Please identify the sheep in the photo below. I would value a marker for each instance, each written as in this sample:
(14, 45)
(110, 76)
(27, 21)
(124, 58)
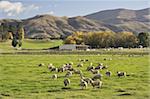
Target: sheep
(96, 83)
(95, 71)
(61, 69)
(68, 74)
(41, 64)
(90, 68)
(66, 82)
(54, 76)
(78, 72)
(119, 74)
(85, 79)
(50, 66)
(98, 67)
(70, 63)
(104, 67)
(54, 69)
(83, 84)
(108, 73)
(80, 65)
(97, 76)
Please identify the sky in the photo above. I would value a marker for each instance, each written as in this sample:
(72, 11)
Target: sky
(21, 9)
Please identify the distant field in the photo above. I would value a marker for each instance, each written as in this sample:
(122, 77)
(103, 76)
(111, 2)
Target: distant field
(20, 77)
(30, 44)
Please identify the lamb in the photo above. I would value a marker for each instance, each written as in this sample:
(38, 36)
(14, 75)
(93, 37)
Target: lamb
(85, 79)
(77, 71)
(104, 67)
(41, 64)
(68, 74)
(97, 76)
(66, 82)
(50, 66)
(100, 66)
(95, 71)
(61, 69)
(83, 84)
(108, 73)
(90, 68)
(80, 65)
(119, 74)
(54, 69)
(54, 76)
(96, 83)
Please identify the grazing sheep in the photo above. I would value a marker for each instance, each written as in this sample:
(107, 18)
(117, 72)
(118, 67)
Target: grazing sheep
(76, 71)
(89, 68)
(54, 76)
(54, 69)
(95, 71)
(71, 69)
(98, 67)
(83, 84)
(70, 63)
(108, 73)
(50, 66)
(80, 65)
(96, 83)
(61, 69)
(85, 79)
(66, 82)
(97, 76)
(68, 74)
(41, 64)
(119, 74)
(104, 67)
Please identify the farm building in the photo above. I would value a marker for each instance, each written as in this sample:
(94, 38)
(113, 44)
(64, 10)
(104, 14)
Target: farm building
(73, 47)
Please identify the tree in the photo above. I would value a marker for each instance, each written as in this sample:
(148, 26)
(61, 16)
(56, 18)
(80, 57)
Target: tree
(14, 42)
(20, 34)
(144, 39)
(126, 39)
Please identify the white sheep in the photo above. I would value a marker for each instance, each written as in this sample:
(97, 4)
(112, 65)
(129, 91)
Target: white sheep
(97, 76)
(119, 73)
(95, 71)
(50, 66)
(90, 68)
(54, 69)
(54, 76)
(83, 84)
(108, 73)
(41, 64)
(61, 69)
(85, 79)
(68, 74)
(66, 82)
(96, 83)
(80, 65)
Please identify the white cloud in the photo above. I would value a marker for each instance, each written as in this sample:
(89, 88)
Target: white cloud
(15, 8)
(50, 12)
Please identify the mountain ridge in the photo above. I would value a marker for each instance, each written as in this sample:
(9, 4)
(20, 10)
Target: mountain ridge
(115, 20)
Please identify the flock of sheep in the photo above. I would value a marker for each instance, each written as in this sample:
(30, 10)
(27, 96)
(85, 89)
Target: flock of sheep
(95, 81)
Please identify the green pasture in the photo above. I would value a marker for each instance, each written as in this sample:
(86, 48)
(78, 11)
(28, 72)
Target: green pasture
(21, 78)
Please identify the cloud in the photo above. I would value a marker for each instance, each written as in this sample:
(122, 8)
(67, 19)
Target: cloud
(50, 12)
(15, 8)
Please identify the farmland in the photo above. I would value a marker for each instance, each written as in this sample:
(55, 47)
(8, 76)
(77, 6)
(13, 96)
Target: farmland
(21, 77)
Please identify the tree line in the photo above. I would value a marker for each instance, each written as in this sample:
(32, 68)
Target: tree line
(13, 32)
(109, 39)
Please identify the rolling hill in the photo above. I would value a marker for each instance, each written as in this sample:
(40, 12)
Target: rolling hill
(116, 20)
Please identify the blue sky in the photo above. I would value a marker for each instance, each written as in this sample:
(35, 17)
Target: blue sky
(20, 9)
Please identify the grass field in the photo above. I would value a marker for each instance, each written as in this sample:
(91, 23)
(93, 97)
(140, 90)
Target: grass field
(20, 77)
(30, 44)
